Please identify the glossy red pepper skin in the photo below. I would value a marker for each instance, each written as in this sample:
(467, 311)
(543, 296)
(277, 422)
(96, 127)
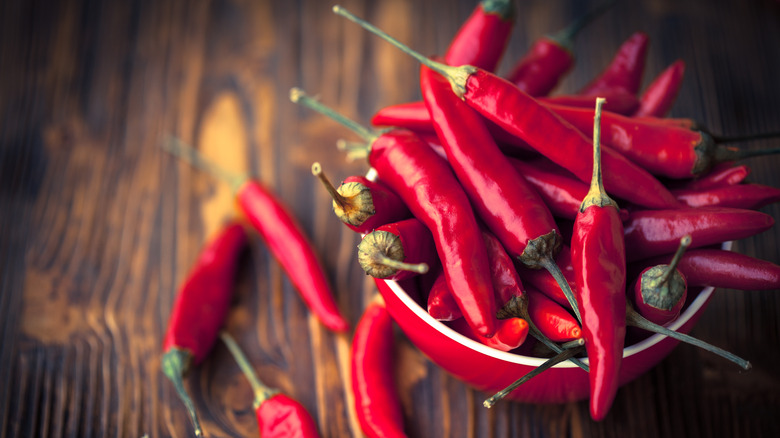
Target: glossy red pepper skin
(551, 318)
(281, 416)
(598, 256)
(203, 300)
(522, 116)
(545, 283)
(724, 174)
(618, 101)
(749, 196)
(290, 246)
(650, 233)
(388, 207)
(377, 404)
(506, 281)
(561, 193)
(625, 70)
(723, 269)
(415, 241)
(512, 333)
(659, 96)
(441, 304)
(512, 210)
(482, 38)
(427, 185)
(540, 70)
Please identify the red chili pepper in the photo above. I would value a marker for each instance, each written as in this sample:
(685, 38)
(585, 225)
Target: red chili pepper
(376, 398)
(625, 70)
(483, 36)
(724, 269)
(598, 255)
(750, 196)
(618, 101)
(200, 309)
(278, 415)
(724, 174)
(441, 304)
(650, 233)
(283, 235)
(659, 96)
(511, 333)
(362, 204)
(397, 250)
(545, 283)
(553, 320)
(425, 182)
(660, 290)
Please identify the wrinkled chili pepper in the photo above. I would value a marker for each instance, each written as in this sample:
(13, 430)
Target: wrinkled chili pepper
(377, 404)
(624, 70)
(724, 174)
(362, 204)
(278, 415)
(425, 182)
(280, 230)
(510, 334)
(200, 309)
(749, 196)
(598, 256)
(659, 96)
(660, 290)
(482, 38)
(555, 322)
(521, 115)
(650, 233)
(723, 269)
(397, 250)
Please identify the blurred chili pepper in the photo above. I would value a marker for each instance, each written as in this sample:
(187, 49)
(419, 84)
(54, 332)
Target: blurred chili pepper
(618, 101)
(660, 290)
(482, 38)
(625, 70)
(724, 174)
(749, 196)
(598, 255)
(650, 233)
(397, 250)
(200, 309)
(659, 96)
(425, 182)
(376, 398)
(362, 204)
(723, 269)
(281, 232)
(555, 322)
(278, 415)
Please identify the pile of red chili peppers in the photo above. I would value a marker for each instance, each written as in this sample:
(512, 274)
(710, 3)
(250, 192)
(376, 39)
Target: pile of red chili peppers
(486, 181)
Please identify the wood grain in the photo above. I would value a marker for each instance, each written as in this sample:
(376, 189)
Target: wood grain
(98, 226)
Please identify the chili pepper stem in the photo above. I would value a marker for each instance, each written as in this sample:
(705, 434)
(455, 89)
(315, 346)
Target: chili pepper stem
(354, 150)
(685, 242)
(596, 194)
(565, 37)
(316, 170)
(174, 365)
(178, 148)
(560, 357)
(300, 97)
(723, 154)
(261, 391)
(744, 137)
(420, 268)
(456, 75)
(549, 264)
(633, 318)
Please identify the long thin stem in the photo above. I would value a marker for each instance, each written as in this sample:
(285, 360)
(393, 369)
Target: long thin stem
(300, 97)
(316, 170)
(685, 242)
(744, 137)
(261, 391)
(174, 364)
(549, 264)
(178, 148)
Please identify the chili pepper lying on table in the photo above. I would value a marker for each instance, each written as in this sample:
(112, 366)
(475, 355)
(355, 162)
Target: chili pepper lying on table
(200, 309)
(281, 232)
(522, 116)
(660, 290)
(377, 404)
(659, 96)
(362, 204)
(427, 185)
(397, 250)
(278, 415)
(624, 70)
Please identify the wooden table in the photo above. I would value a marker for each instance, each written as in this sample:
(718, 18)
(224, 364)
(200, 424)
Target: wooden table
(98, 227)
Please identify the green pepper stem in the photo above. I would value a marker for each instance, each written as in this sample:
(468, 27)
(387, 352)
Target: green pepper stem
(261, 391)
(744, 137)
(723, 153)
(174, 365)
(316, 170)
(685, 242)
(456, 75)
(565, 37)
(560, 357)
(633, 318)
(354, 150)
(549, 264)
(178, 148)
(300, 97)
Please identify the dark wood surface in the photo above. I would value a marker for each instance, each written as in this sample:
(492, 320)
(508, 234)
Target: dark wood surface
(98, 226)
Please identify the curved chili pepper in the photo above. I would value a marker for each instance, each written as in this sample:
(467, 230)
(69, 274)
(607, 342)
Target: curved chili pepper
(362, 204)
(660, 290)
(441, 304)
(425, 182)
(278, 415)
(650, 233)
(200, 309)
(724, 174)
(749, 196)
(598, 256)
(511, 333)
(551, 318)
(397, 250)
(482, 38)
(659, 96)
(283, 235)
(561, 193)
(625, 70)
(724, 269)
(376, 399)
